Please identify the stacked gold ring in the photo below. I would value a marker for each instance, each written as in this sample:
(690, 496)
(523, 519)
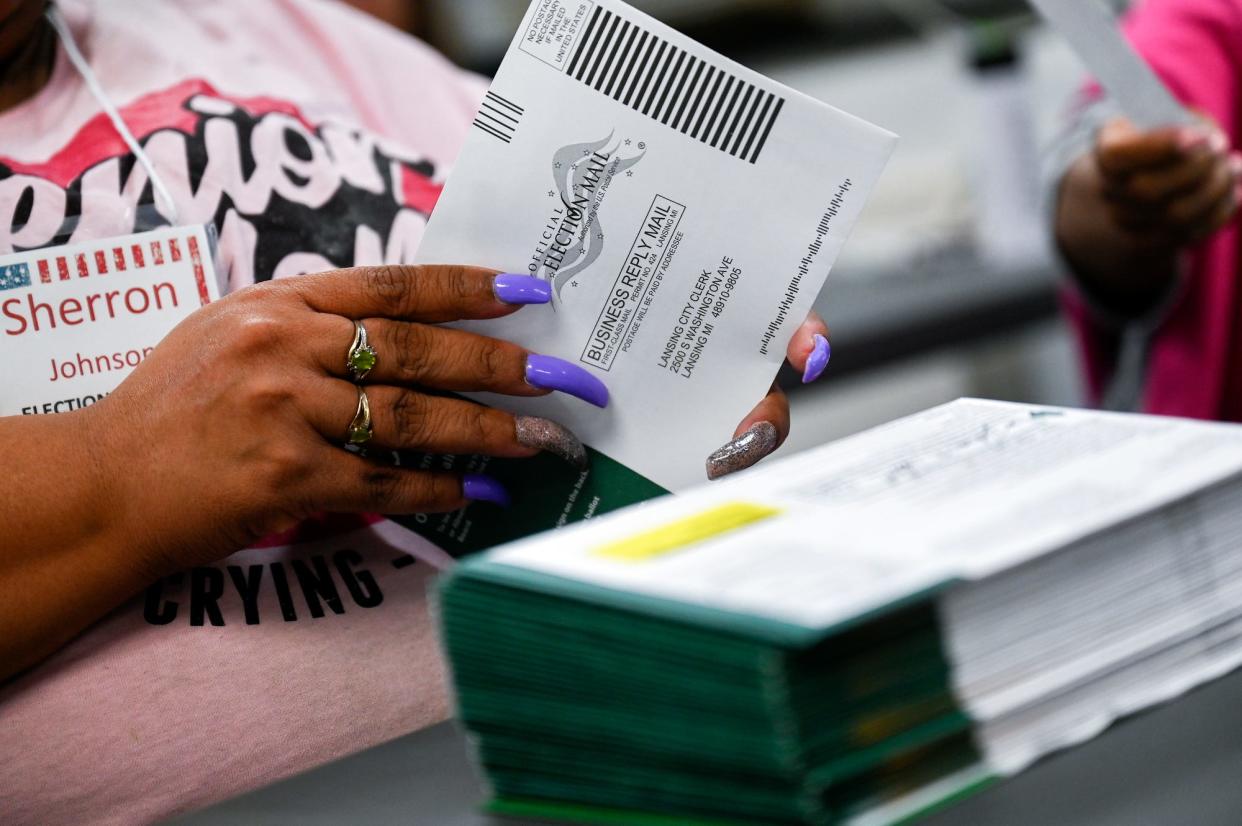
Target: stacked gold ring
(360, 360)
(362, 356)
(360, 428)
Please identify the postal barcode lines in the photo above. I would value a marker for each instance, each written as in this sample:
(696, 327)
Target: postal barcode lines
(498, 116)
(666, 83)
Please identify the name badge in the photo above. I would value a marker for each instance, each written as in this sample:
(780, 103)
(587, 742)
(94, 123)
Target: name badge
(76, 319)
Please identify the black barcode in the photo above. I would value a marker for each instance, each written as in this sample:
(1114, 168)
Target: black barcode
(667, 83)
(498, 116)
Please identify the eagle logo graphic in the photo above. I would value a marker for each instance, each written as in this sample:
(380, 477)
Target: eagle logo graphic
(583, 172)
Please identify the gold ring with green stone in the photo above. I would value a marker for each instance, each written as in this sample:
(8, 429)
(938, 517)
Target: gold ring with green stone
(361, 358)
(360, 428)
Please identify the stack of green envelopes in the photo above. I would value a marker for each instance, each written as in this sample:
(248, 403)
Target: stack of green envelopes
(598, 706)
(804, 645)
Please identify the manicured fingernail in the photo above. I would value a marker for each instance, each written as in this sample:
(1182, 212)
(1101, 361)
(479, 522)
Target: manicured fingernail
(817, 362)
(1235, 164)
(743, 451)
(548, 436)
(512, 288)
(550, 373)
(478, 488)
(1219, 141)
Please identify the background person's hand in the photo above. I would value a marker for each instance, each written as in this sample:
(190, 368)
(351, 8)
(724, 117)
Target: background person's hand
(234, 427)
(1128, 207)
(1173, 186)
(767, 426)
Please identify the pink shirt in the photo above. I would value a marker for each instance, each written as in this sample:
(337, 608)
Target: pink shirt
(313, 137)
(1194, 365)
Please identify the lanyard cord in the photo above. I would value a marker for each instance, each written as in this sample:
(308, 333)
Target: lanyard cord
(92, 83)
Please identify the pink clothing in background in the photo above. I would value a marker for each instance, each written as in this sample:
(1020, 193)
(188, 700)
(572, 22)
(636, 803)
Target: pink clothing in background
(1195, 358)
(312, 137)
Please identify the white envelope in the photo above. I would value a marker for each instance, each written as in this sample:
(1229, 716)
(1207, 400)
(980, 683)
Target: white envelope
(685, 209)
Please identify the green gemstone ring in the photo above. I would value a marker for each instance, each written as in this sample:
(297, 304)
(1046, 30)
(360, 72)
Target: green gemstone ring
(360, 428)
(362, 357)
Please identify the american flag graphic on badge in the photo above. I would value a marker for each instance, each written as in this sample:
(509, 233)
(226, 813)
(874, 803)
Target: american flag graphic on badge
(13, 276)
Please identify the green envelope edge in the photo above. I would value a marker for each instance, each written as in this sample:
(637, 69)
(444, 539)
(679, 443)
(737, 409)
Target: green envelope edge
(602, 816)
(596, 815)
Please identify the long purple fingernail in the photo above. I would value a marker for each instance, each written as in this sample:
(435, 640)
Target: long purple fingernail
(550, 373)
(817, 362)
(512, 288)
(479, 488)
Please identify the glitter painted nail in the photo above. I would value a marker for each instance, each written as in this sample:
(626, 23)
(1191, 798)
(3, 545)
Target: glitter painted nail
(743, 451)
(817, 362)
(551, 373)
(478, 488)
(512, 288)
(550, 437)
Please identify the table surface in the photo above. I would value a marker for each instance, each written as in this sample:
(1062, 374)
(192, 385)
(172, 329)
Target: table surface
(1180, 763)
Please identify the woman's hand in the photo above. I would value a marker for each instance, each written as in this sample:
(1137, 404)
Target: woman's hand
(1127, 208)
(235, 426)
(767, 426)
(1176, 186)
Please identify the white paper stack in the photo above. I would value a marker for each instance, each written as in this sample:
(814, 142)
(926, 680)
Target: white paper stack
(919, 609)
(1048, 654)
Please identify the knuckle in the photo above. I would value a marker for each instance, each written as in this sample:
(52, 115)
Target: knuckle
(380, 482)
(430, 493)
(439, 423)
(446, 491)
(493, 358)
(477, 423)
(267, 394)
(258, 331)
(450, 283)
(409, 415)
(260, 293)
(391, 286)
(412, 352)
(284, 467)
(459, 286)
(438, 492)
(248, 295)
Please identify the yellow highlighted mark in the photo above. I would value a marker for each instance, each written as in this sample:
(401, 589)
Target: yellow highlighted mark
(678, 535)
